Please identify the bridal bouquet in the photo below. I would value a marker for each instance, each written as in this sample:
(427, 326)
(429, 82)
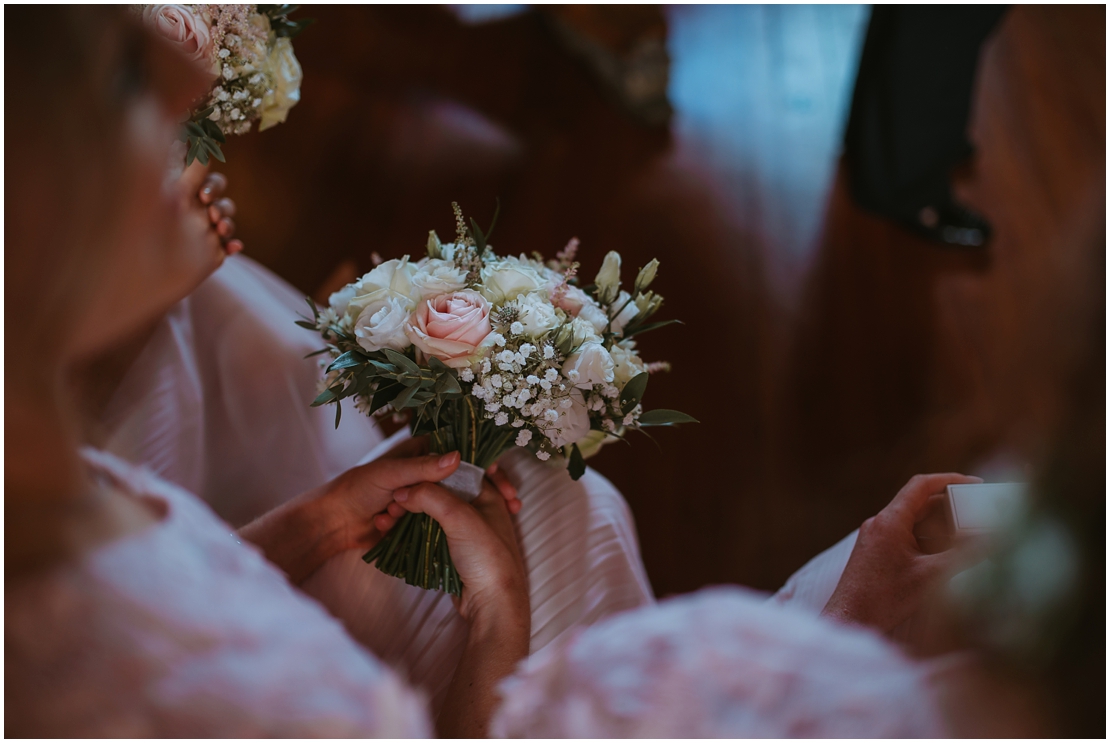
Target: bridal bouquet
(486, 353)
(248, 50)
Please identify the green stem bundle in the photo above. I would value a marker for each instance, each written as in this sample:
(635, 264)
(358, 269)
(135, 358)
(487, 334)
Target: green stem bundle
(415, 549)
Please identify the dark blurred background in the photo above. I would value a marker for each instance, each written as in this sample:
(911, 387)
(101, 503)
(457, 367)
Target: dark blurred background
(829, 354)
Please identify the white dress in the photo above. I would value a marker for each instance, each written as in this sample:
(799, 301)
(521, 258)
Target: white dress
(218, 402)
(181, 631)
(720, 663)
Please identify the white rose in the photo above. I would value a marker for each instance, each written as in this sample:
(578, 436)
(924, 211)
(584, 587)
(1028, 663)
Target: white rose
(507, 279)
(591, 364)
(595, 316)
(285, 71)
(583, 332)
(626, 315)
(573, 423)
(436, 277)
(339, 300)
(382, 325)
(626, 363)
(537, 315)
(390, 279)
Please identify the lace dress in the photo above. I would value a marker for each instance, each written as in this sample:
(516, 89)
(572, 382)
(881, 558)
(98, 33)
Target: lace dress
(181, 631)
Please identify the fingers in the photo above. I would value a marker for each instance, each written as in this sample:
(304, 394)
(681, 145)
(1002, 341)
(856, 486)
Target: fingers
(393, 473)
(912, 499)
(233, 246)
(453, 515)
(221, 208)
(212, 188)
(506, 488)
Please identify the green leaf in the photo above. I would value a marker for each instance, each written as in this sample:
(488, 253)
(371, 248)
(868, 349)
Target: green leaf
(349, 360)
(214, 147)
(576, 464)
(338, 412)
(305, 324)
(401, 361)
(476, 233)
(194, 148)
(447, 383)
(402, 400)
(651, 326)
(663, 417)
(385, 394)
(493, 222)
(323, 398)
(633, 392)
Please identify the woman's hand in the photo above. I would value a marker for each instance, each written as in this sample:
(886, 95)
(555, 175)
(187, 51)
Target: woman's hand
(494, 599)
(483, 547)
(887, 574)
(206, 229)
(350, 512)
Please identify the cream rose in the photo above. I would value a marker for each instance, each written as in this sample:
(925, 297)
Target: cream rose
(435, 277)
(536, 314)
(591, 364)
(595, 316)
(573, 423)
(507, 279)
(626, 363)
(285, 71)
(390, 279)
(450, 327)
(183, 28)
(382, 325)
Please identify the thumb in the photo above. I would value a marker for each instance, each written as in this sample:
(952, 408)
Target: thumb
(390, 474)
(452, 514)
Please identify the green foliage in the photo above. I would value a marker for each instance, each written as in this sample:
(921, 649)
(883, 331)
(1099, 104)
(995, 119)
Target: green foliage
(202, 138)
(576, 464)
(633, 392)
(663, 417)
(280, 23)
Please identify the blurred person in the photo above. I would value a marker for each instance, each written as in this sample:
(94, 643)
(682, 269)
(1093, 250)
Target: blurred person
(130, 609)
(908, 123)
(1026, 627)
(214, 396)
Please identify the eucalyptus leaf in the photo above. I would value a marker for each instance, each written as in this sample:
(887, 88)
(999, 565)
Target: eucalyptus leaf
(576, 463)
(406, 395)
(633, 392)
(401, 361)
(338, 412)
(663, 417)
(651, 326)
(323, 398)
(349, 360)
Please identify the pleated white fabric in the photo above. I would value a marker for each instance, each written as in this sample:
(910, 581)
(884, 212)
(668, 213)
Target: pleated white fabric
(180, 631)
(218, 402)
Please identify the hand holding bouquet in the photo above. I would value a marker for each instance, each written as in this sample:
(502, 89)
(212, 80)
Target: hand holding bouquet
(486, 353)
(256, 77)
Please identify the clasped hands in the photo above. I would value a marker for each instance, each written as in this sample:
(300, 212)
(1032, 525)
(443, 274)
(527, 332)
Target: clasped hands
(356, 509)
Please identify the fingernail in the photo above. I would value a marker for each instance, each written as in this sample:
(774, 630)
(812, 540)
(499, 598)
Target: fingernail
(401, 495)
(448, 459)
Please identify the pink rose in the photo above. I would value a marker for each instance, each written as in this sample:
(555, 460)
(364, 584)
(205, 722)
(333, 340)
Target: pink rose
(180, 26)
(570, 300)
(450, 326)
